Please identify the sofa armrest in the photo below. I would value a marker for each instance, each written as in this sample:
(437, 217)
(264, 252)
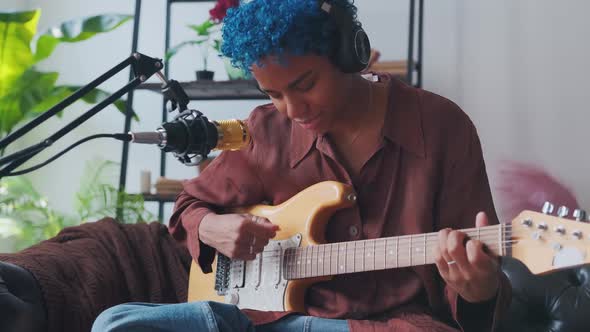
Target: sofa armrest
(558, 301)
(21, 301)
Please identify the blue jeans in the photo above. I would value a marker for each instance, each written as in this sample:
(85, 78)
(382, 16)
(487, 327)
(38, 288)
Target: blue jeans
(202, 316)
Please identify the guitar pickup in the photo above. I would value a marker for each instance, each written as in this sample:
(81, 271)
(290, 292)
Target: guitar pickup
(237, 273)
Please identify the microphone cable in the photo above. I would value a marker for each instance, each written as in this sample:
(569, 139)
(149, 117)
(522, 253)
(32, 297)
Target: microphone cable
(120, 137)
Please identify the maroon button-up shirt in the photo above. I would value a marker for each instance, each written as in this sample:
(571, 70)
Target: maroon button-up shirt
(427, 174)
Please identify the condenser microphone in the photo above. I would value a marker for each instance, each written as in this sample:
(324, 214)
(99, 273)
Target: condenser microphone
(191, 136)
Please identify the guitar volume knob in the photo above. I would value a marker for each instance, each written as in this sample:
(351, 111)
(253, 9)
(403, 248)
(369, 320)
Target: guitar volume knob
(233, 298)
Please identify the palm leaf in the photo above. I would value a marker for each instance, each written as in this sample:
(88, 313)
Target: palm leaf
(173, 50)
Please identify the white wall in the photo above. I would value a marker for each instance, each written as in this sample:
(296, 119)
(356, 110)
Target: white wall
(519, 68)
(8, 5)
(523, 77)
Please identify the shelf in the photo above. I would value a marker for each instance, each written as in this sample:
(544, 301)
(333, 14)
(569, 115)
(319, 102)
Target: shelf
(175, 1)
(159, 197)
(215, 90)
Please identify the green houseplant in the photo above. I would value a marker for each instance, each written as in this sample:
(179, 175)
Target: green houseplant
(26, 217)
(26, 91)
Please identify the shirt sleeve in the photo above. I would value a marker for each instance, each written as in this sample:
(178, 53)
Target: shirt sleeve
(231, 180)
(466, 191)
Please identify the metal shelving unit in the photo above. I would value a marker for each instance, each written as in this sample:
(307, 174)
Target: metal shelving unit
(241, 89)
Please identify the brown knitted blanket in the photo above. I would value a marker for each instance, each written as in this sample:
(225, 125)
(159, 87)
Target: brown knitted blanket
(89, 268)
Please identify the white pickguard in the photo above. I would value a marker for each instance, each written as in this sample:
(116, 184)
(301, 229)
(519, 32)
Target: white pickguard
(260, 283)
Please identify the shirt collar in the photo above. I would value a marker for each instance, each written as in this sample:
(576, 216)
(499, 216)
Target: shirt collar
(403, 123)
(302, 140)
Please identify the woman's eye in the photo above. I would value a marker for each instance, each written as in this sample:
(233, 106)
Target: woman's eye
(306, 86)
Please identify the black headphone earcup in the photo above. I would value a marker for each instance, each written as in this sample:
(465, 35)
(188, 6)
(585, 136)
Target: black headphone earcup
(351, 50)
(354, 51)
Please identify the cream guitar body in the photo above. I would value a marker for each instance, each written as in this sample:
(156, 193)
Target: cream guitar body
(298, 257)
(261, 283)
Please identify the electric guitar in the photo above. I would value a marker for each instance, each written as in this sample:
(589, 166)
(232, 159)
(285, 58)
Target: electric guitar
(298, 256)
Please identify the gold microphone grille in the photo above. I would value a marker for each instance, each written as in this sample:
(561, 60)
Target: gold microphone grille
(233, 135)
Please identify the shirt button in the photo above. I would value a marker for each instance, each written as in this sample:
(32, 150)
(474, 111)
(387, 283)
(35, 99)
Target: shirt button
(353, 231)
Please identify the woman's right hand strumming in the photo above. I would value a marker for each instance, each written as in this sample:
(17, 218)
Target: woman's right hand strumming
(238, 236)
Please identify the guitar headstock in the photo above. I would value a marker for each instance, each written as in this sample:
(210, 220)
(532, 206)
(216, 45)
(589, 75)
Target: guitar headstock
(545, 242)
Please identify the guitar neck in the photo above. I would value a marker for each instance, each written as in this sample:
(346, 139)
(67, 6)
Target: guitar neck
(380, 254)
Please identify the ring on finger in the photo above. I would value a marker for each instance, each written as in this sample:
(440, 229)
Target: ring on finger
(449, 263)
(253, 241)
(251, 250)
(255, 219)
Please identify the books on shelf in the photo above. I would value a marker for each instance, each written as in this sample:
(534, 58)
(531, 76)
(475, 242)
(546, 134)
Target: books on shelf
(165, 186)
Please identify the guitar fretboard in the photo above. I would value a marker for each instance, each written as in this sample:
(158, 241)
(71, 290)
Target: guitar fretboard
(378, 254)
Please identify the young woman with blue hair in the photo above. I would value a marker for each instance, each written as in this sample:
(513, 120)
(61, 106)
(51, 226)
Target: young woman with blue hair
(413, 158)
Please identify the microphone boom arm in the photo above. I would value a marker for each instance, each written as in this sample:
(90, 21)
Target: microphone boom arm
(143, 67)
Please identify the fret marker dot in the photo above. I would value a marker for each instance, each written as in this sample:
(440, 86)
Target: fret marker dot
(298, 262)
(391, 252)
(341, 267)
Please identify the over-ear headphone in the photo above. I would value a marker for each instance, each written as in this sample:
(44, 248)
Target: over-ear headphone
(352, 48)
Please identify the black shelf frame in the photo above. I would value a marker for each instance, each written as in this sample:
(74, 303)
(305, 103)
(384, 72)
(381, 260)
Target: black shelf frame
(240, 90)
(216, 90)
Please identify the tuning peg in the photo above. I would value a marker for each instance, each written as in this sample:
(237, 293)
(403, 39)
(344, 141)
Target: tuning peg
(563, 211)
(579, 214)
(548, 208)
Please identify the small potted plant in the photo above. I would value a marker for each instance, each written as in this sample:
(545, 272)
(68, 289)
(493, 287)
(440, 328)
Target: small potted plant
(204, 41)
(208, 37)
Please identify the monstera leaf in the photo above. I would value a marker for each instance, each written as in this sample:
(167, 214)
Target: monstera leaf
(16, 33)
(25, 91)
(76, 30)
(18, 101)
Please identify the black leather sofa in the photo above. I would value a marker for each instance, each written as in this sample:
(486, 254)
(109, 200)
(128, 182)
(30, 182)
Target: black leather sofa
(557, 302)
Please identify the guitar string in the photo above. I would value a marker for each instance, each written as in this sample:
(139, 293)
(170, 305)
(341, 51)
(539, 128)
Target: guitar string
(401, 246)
(297, 271)
(330, 267)
(301, 253)
(485, 235)
(304, 253)
(334, 251)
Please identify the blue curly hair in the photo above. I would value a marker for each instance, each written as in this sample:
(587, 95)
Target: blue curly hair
(260, 28)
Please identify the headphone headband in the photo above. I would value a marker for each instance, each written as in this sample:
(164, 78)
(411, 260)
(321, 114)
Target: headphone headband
(352, 50)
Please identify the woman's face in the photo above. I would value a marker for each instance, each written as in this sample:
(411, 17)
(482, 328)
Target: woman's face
(309, 89)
